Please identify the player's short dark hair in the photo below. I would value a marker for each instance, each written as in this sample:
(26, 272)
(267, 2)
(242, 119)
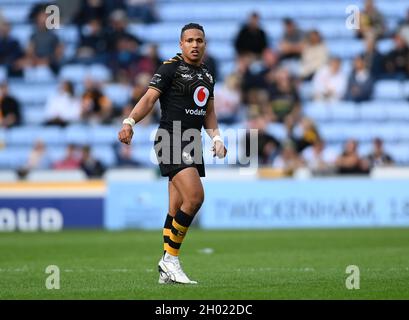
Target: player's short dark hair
(191, 26)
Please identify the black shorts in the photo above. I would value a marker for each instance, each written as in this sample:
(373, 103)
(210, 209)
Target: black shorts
(178, 159)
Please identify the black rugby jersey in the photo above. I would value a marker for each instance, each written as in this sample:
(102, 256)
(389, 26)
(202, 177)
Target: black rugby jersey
(185, 90)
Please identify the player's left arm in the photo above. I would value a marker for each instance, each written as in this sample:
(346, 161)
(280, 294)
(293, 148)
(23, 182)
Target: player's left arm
(212, 129)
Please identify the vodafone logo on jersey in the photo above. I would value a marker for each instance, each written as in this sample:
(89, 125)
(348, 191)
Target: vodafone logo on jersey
(200, 96)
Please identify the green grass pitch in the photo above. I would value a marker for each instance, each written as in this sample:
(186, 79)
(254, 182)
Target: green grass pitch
(257, 264)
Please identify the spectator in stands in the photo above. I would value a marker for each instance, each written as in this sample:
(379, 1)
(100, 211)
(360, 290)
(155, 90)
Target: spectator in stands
(251, 38)
(118, 23)
(371, 22)
(288, 160)
(124, 157)
(267, 145)
(142, 11)
(378, 157)
(147, 63)
(93, 44)
(397, 61)
(319, 159)
(291, 44)
(9, 108)
(45, 49)
(360, 82)
(309, 135)
(64, 107)
(92, 167)
(329, 82)
(373, 59)
(211, 63)
(314, 55)
(403, 28)
(284, 100)
(71, 161)
(95, 105)
(91, 10)
(349, 162)
(38, 159)
(227, 104)
(10, 51)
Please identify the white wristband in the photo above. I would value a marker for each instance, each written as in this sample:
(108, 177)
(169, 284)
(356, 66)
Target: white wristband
(217, 138)
(129, 121)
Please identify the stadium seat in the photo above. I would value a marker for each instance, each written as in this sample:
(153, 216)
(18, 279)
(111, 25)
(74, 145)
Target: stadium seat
(343, 111)
(56, 175)
(77, 134)
(32, 93)
(103, 134)
(33, 114)
(277, 130)
(8, 175)
(389, 89)
(27, 135)
(118, 93)
(373, 111)
(105, 154)
(15, 13)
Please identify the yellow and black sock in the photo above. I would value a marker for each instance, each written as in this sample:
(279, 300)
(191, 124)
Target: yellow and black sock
(180, 225)
(166, 230)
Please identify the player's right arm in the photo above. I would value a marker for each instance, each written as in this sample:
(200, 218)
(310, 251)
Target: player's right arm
(160, 82)
(141, 109)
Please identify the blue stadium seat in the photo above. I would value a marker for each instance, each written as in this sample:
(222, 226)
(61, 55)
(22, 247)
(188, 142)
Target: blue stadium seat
(32, 93)
(33, 114)
(27, 135)
(14, 157)
(15, 13)
(118, 93)
(399, 152)
(77, 134)
(145, 155)
(105, 154)
(389, 89)
(317, 111)
(277, 130)
(373, 111)
(344, 111)
(103, 134)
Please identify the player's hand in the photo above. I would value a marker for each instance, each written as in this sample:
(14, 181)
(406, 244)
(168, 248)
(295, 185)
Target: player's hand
(126, 133)
(219, 149)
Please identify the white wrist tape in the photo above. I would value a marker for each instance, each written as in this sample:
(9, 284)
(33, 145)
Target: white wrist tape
(129, 121)
(218, 138)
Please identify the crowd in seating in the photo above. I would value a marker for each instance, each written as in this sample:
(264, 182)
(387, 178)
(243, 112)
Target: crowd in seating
(281, 86)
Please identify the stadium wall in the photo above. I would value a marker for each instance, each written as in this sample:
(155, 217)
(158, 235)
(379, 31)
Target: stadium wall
(280, 203)
(28, 206)
(139, 200)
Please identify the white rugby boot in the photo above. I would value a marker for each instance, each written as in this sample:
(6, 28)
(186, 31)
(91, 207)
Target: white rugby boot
(170, 271)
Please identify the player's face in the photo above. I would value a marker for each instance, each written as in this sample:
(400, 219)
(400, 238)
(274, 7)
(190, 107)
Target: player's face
(193, 45)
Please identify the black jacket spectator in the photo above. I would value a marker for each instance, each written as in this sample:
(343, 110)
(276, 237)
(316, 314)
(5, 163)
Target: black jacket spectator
(360, 82)
(10, 50)
(251, 38)
(9, 109)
